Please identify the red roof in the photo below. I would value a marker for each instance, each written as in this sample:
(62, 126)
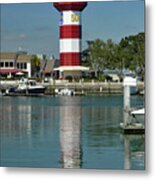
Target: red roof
(13, 71)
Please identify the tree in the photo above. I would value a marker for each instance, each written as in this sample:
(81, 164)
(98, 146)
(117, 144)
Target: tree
(127, 54)
(35, 65)
(132, 52)
(99, 54)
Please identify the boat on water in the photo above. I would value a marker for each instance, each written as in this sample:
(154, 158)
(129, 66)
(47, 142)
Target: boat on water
(138, 112)
(26, 86)
(138, 115)
(136, 122)
(65, 92)
(2, 92)
(142, 92)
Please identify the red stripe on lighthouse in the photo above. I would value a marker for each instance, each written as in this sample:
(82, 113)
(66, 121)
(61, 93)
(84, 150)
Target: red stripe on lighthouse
(67, 6)
(70, 59)
(70, 31)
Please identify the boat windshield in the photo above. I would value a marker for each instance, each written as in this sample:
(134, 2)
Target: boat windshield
(32, 83)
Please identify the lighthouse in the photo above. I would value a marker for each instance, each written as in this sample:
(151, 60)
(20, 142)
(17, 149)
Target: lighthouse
(70, 38)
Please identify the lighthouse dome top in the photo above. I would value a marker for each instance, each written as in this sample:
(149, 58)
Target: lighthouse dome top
(66, 6)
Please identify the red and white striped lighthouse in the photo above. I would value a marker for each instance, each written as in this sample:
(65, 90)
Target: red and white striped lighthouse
(70, 35)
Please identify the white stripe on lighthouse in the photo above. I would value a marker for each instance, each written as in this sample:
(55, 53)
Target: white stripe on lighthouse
(70, 18)
(70, 45)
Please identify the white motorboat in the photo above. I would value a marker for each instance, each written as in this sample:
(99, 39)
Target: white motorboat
(26, 86)
(65, 92)
(138, 112)
(138, 115)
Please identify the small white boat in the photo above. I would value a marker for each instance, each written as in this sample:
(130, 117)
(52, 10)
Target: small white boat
(138, 112)
(65, 92)
(142, 92)
(138, 115)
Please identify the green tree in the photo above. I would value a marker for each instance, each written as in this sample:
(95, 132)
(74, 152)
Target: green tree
(128, 53)
(99, 54)
(132, 53)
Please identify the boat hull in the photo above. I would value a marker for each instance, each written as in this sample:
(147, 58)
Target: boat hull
(36, 91)
(28, 91)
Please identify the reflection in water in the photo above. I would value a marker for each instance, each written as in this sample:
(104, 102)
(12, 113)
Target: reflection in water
(25, 116)
(127, 153)
(42, 131)
(133, 151)
(16, 119)
(70, 125)
(28, 130)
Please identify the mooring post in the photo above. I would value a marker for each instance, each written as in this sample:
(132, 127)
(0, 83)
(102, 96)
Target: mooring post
(127, 83)
(126, 104)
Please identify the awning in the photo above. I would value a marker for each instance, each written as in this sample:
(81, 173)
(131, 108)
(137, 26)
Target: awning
(12, 71)
(72, 68)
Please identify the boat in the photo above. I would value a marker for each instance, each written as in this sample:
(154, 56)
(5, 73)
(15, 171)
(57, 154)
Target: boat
(138, 115)
(136, 123)
(2, 92)
(65, 92)
(26, 86)
(138, 112)
(142, 92)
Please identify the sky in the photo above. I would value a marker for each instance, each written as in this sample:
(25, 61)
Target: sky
(34, 27)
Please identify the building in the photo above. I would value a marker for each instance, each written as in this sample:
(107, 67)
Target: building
(15, 63)
(47, 67)
(24, 63)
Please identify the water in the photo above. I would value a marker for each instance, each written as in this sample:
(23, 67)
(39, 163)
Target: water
(68, 132)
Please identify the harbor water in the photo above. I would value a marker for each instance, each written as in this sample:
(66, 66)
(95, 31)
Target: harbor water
(68, 132)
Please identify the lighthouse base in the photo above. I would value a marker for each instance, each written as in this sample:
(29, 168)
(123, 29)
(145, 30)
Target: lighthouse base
(74, 72)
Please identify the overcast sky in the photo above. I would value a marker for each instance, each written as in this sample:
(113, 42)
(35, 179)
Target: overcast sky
(35, 27)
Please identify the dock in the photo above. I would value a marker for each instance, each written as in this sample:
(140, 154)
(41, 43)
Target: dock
(133, 128)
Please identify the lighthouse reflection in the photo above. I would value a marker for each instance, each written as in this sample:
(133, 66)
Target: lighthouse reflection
(70, 125)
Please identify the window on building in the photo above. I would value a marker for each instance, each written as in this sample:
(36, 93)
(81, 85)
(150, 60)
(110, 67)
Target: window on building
(2, 64)
(11, 64)
(6, 64)
(21, 65)
(25, 65)
(18, 66)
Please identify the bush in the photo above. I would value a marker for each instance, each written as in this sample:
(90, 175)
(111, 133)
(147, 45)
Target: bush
(101, 77)
(69, 78)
